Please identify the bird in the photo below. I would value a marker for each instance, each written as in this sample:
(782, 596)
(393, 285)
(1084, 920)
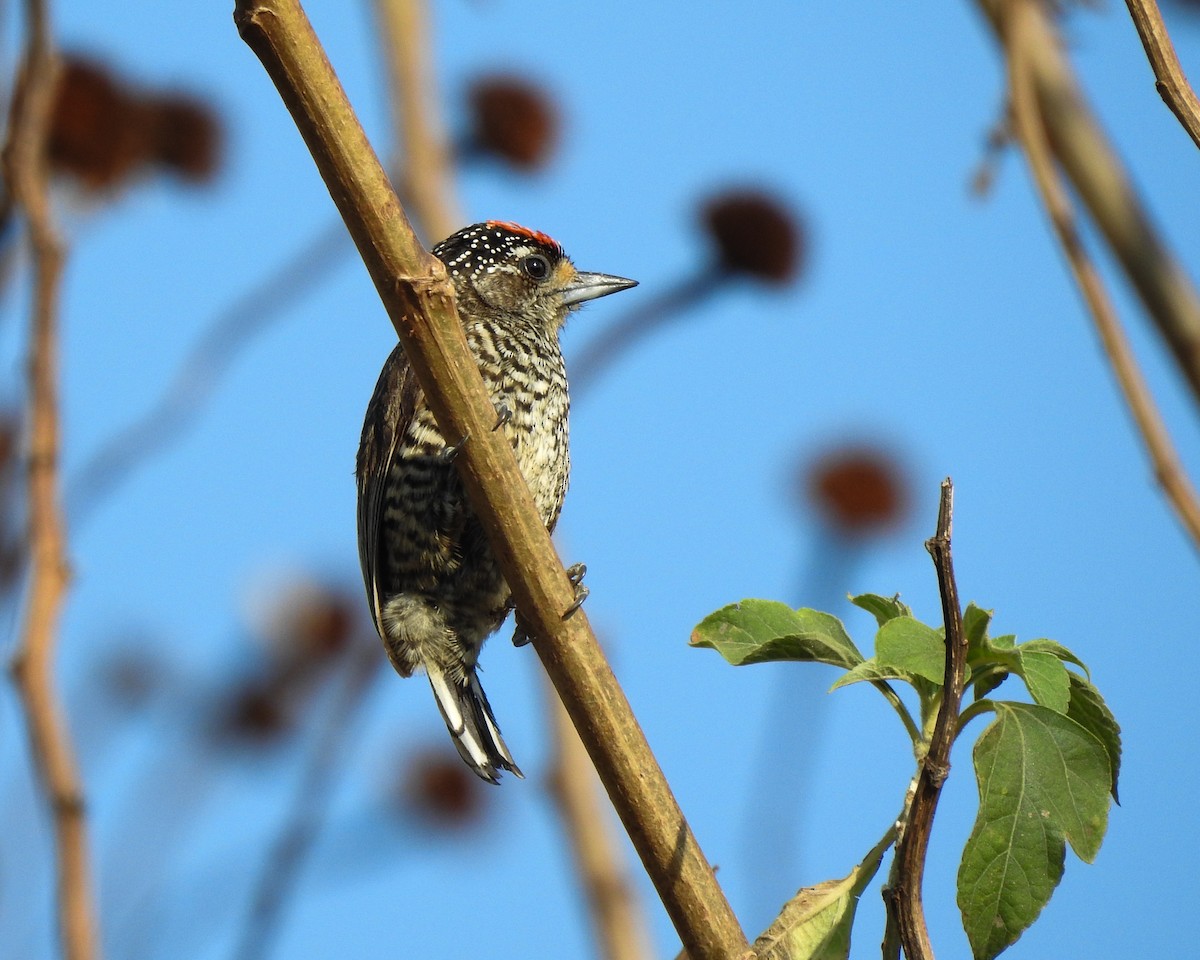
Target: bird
(433, 584)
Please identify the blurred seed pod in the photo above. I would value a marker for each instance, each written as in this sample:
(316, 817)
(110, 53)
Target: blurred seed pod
(186, 136)
(439, 788)
(513, 120)
(256, 712)
(97, 131)
(756, 236)
(103, 132)
(857, 490)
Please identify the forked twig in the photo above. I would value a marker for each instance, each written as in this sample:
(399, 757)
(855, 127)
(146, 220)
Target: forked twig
(1091, 165)
(1170, 80)
(903, 894)
(1021, 31)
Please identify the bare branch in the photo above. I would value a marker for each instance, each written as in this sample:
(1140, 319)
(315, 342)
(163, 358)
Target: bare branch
(33, 663)
(1021, 36)
(1170, 81)
(420, 300)
(904, 893)
(1083, 151)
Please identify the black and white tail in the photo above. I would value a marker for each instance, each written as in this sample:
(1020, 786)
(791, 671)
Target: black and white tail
(472, 724)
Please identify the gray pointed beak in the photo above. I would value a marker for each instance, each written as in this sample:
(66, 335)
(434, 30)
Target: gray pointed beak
(589, 286)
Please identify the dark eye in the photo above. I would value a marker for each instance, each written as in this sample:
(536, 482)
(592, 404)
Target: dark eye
(536, 266)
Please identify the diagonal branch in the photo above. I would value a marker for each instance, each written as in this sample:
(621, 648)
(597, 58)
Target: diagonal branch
(33, 662)
(420, 300)
(904, 893)
(1020, 32)
(1170, 81)
(1092, 166)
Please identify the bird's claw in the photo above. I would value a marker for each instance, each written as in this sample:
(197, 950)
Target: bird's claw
(451, 450)
(575, 573)
(504, 415)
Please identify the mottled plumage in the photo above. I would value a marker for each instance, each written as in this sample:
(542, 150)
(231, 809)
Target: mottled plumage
(435, 590)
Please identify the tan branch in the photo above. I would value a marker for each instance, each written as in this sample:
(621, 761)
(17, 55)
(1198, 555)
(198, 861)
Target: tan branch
(425, 168)
(33, 662)
(1021, 34)
(420, 301)
(1170, 80)
(1088, 160)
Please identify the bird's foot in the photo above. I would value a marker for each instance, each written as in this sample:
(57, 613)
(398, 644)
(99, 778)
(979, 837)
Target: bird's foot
(451, 450)
(575, 573)
(504, 415)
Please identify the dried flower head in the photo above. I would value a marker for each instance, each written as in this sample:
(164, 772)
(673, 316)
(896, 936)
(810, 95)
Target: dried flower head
(103, 132)
(858, 490)
(755, 235)
(441, 788)
(187, 136)
(97, 129)
(514, 120)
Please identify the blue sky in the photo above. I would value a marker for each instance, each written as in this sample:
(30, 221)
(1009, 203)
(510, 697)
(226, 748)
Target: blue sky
(941, 325)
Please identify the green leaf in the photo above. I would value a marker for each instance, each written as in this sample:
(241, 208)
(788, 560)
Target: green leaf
(1006, 642)
(870, 670)
(756, 631)
(990, 682)
(1088, 709)
(1046, 677)
(816, 923)
(909, 645)
(1050, 646)
(882, 609)
(975, 626)
(1042, 778)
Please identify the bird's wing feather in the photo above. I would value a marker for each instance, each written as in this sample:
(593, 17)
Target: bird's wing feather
(388, 418)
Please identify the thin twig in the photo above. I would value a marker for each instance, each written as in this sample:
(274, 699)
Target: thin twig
(620, 927)
(424, 180)
(1020, 32)
(1079, 143)
(420, 301)
(1170, 80)
(198, 376)
(904, 889)
(314, 791)
(33, 662)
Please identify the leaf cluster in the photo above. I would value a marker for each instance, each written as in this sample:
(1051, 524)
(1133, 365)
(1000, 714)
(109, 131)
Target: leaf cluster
(1045, 766)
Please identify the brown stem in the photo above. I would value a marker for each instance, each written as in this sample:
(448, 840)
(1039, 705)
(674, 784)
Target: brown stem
(1170, 80)
(904, 893)
(620, 927)
(424, 179)
(1021, 37)
(420, 300)
(1079, 144)
(33, 662)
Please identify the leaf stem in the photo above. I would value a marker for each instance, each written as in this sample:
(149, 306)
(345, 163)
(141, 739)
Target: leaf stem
(970, 713)
(892, 697)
